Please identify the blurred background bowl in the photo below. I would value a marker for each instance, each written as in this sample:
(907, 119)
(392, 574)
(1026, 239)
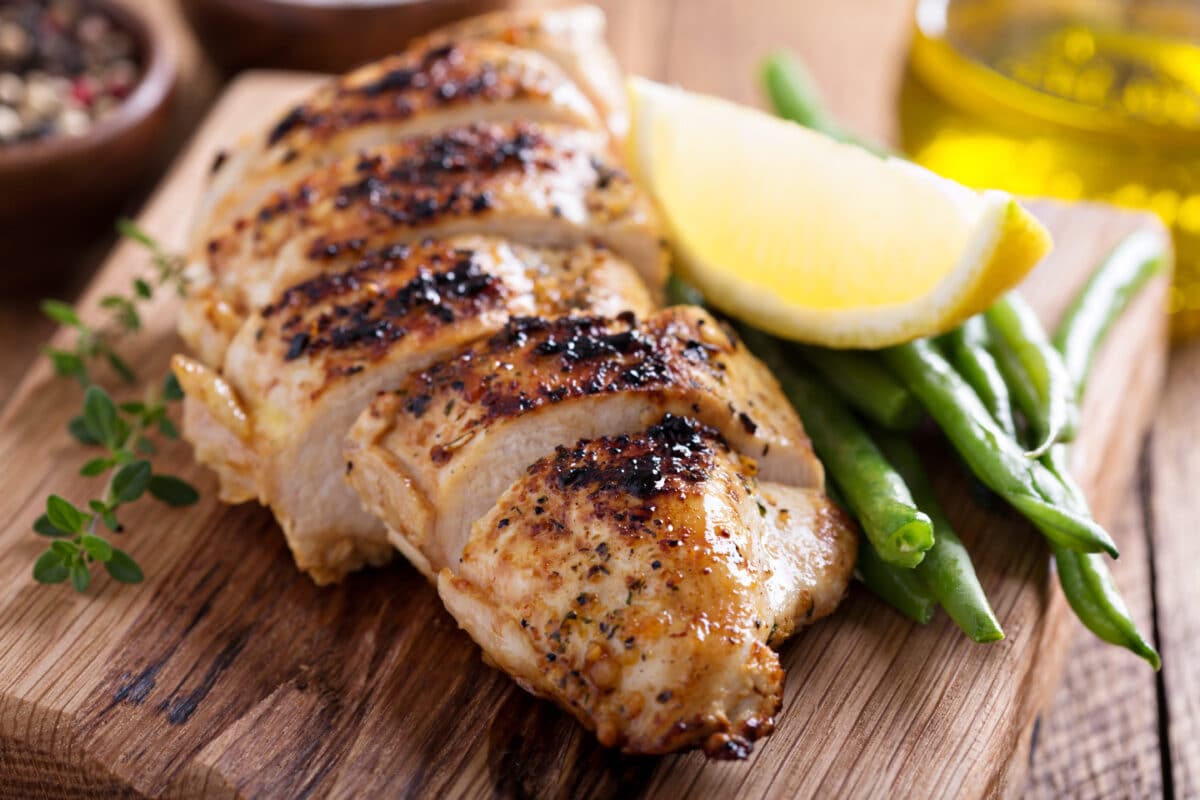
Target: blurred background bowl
(59, 193)
(322, 35)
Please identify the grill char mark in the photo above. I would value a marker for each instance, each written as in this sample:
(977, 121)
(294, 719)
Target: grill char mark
(441, 76)
(448, 285)
(446, 176)
(668, 456)
(532, 362)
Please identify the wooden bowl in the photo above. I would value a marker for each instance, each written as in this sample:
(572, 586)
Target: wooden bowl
(322, 35)
(56, 194)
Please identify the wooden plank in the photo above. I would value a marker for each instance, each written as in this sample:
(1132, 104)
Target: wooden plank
(1108, 734)
(855, 48)
(22, 329)
(1174, 511)
(1098, 737)
(228, 673)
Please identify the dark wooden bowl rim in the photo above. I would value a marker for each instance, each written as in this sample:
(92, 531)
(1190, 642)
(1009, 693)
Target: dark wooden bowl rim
(342, 5)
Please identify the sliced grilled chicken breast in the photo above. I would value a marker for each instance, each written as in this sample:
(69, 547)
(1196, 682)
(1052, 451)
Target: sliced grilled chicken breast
(640, 581)
(431, 457)
(571, 37)
(216, 423)
(301, 370)
(540, 185)
(407, 299)
(422, 91)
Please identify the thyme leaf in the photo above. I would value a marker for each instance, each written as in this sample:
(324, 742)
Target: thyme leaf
(122, 431)
(123, 313)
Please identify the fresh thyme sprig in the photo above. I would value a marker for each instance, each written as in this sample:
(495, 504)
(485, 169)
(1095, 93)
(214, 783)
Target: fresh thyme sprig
(122, 430)
(124, 318)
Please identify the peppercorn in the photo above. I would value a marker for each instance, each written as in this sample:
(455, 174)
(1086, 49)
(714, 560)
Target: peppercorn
(64, 66)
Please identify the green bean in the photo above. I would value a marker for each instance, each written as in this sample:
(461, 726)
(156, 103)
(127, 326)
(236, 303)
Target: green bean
(1085, 578)
(1087, 583)
(1128, 268)
(967, 348)
(1020, 388)
(682, 293)
(795, 96)
(866, 385)
(1067, 491)
(1054, 416)
(947, 570)
(995, 458)
(899, 587)
(1093, 596)
(877, 496)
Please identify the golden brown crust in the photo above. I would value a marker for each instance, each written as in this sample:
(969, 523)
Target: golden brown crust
(614, 567)
(405, 85)
(573, 37)
(302, 369)
(417, 184)
(348, 319)
(356, 315)
(681, 358)
(540, 185)
(421, 92)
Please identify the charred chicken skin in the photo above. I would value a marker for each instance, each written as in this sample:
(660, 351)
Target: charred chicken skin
(534, 184)
(573, 38)
(427, 90)
(300, 370)
(640, 581)
(454, 436)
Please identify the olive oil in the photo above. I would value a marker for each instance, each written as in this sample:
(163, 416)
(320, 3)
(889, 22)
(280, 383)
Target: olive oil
(1075, 100)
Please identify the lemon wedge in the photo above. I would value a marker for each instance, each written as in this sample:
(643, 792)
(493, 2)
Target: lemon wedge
(815, 240)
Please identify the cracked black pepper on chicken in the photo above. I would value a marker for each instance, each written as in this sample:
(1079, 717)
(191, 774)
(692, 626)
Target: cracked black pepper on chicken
(424, 319)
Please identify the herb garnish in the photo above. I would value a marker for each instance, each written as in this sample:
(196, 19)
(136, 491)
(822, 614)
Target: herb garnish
(124, 317)
(122, 430)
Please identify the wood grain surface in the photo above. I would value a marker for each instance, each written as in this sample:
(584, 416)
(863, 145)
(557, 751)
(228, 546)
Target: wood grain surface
(229, 674)
(1100, 736)
(1173, 486)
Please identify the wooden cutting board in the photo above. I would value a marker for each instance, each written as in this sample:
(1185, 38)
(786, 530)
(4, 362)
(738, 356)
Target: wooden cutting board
(229, 674)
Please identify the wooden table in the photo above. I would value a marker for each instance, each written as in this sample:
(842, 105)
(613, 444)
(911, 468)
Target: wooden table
(1114, 728)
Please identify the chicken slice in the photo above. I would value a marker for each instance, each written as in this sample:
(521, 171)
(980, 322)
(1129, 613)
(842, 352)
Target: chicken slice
(301, 370)
(539, 185)
(574, 38)
(432, 456)
(640, 582)
(422, 91)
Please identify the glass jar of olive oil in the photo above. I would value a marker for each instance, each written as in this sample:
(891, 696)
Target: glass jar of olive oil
(1076, 99)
